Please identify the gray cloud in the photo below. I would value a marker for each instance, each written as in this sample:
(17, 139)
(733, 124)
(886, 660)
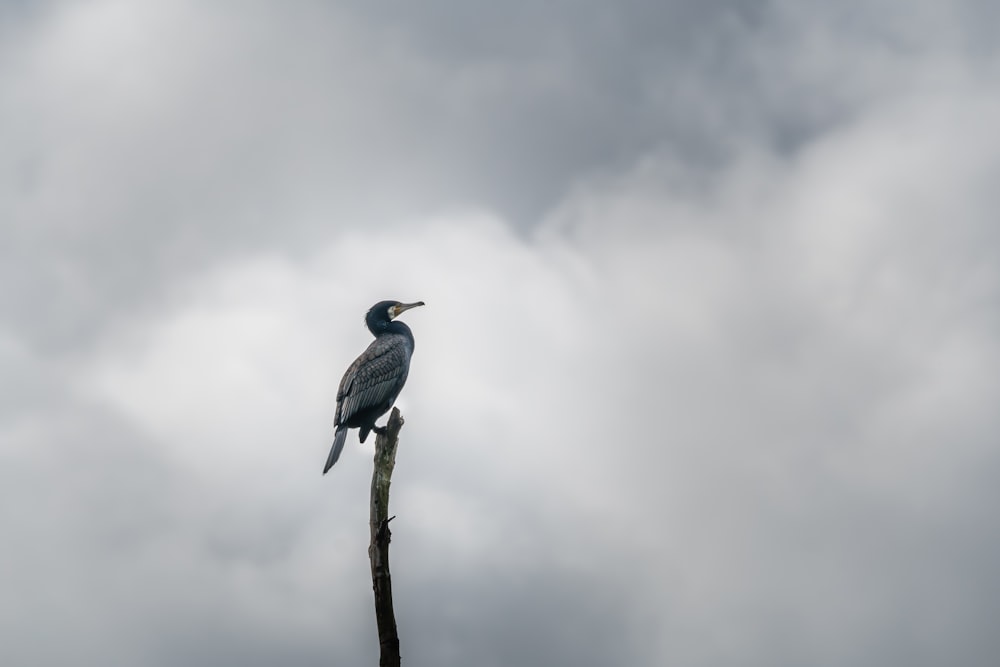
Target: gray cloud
(187, 133)
(707, 375)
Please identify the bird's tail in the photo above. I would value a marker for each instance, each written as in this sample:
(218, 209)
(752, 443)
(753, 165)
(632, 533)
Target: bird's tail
(338, 446)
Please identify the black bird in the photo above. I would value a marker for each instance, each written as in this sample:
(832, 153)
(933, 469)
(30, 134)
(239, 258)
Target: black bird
(372, 383)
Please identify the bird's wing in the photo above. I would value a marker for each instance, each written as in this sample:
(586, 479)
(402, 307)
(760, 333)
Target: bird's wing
(374, 377)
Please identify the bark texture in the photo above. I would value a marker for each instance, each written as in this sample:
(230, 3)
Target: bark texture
(378, 550)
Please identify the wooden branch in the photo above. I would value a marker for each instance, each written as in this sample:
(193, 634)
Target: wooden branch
(378, 550)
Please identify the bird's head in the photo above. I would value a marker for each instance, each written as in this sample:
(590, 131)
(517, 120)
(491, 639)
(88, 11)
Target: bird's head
(384, 312)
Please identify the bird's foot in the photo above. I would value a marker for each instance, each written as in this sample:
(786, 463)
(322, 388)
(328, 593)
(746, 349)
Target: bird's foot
(379, 430)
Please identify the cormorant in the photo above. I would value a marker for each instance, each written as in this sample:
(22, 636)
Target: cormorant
(374, 380)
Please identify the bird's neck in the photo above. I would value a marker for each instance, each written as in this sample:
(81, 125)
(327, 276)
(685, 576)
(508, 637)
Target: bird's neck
(391, 327)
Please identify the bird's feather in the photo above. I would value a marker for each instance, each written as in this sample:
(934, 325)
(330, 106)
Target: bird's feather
(338, 446)
(374, 378)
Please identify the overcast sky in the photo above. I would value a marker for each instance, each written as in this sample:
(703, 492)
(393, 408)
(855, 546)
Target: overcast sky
(708, 373)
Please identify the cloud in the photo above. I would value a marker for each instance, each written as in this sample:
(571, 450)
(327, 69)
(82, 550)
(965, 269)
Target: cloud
(824, 405)
(249, 519)
(707, 373)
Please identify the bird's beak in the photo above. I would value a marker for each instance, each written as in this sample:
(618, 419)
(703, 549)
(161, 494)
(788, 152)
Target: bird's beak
(401, 307)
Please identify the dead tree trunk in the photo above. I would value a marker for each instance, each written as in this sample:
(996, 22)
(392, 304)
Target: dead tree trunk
(378, 550)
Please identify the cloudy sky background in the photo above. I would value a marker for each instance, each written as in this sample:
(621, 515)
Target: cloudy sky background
(708, 373)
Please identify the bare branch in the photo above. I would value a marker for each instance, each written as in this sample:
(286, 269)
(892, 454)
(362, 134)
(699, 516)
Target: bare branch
(378, 550)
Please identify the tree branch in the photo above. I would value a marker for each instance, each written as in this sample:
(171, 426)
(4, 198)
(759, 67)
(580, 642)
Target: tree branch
(378, 550)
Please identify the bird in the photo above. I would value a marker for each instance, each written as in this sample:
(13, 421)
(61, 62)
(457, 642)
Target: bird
(372, 383)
